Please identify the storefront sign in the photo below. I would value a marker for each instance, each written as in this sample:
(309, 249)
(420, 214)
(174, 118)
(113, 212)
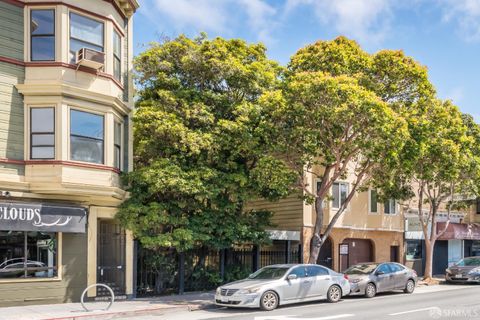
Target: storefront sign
(41, 217)
(344, 249)
(461, 231)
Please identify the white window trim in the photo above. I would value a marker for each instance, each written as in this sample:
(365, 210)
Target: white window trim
(370, 203)
(331, 193)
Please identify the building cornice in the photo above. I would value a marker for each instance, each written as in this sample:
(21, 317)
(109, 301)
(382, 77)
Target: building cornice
(62, 89)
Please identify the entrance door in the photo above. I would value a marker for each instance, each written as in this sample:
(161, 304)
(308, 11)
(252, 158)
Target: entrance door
(325, 258)
(455, 251)
(394, 254)
(111, 257)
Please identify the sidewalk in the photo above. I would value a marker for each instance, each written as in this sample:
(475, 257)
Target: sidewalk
(137, 307)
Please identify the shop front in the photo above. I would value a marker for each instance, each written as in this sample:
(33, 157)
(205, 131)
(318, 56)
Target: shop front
(50, 252)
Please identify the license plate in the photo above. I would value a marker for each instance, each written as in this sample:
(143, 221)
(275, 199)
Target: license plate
(458, 276)
(223, 299)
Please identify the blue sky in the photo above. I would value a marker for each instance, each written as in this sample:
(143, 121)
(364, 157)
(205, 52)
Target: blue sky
(443, 35)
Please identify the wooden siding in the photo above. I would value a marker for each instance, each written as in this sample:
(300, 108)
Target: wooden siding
(11, 31)
(287, 213)
(74, 281)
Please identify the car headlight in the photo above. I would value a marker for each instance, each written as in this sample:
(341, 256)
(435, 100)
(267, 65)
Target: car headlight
(248, 291)
(475, 270)
(218, 290)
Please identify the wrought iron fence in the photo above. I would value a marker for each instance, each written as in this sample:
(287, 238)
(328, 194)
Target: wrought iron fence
(167, 271)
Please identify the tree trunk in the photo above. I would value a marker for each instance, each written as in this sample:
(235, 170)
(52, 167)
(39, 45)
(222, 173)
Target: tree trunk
(317, 240)
(429, 246)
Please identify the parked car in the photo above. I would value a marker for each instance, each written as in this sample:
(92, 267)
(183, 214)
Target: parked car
(282, 284)
(370, 278)
(14, 268)
(467, 270)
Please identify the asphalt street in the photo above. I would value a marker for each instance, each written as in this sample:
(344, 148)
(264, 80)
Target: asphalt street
(438, 302)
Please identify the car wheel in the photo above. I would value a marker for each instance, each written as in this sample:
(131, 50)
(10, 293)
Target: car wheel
(409, 287)
(334, 294)
(269, 301)
(370, 290)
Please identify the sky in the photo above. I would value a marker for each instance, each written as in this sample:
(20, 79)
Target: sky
(443, 35)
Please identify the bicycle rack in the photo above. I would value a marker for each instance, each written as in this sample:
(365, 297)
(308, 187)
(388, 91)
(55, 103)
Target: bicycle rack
(97, 285)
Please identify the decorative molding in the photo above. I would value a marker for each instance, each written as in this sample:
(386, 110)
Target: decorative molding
(61, 162)
(12, 61)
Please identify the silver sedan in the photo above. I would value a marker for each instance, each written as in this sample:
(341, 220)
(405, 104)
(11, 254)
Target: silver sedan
(283, 284)
(370, 278)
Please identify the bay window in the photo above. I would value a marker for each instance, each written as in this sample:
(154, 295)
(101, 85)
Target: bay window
(339, 194)
(28, 254)
(117, 54)
(85, 33)
(86, 137)
(42, 35)
(42, 133)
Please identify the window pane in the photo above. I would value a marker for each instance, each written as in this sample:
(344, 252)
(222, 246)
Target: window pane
(43, 153)
(299, 271)
(42, 120)
(373, 201)
(12, 254)
(76, 45)
(43, 48)
(43, 22)
(86, 149)
(86, 124)
(41, 254)
(43, 140)
(117, 44)
(86, 29)
(335, 195)
(118, 133)
(414, 249)
(117, 69)
(343, 192)
(117, 157)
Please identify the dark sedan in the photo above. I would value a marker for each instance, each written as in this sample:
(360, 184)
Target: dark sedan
(466, 270)
(370, 278)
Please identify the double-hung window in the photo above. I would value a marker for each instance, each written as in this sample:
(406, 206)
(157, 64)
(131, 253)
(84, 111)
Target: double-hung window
(42, 133)
(42, 35)
(339, 194)
(372, 201)
(117, 54)
(86, 137)
(390, 206)
(117, 149)
(85, 33)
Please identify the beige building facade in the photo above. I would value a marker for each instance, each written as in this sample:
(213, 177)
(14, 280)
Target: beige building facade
(367, 231)
(66, 95)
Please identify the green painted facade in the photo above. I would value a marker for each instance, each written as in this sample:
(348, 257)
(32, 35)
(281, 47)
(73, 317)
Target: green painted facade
(11, 102)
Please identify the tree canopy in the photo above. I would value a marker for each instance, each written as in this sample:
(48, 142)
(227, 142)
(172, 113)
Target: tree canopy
(203, 144)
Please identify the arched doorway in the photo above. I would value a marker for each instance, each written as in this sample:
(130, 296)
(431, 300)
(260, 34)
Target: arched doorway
(325, 258)
(359, 250)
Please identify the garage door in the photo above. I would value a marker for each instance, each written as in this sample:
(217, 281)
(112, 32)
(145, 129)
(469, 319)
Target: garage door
(359, 250)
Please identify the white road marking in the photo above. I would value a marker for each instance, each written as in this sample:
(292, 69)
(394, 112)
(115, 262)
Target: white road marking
(338, 316)
(412, 311)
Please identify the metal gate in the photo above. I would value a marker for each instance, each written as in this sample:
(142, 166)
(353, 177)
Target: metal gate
(111, 257)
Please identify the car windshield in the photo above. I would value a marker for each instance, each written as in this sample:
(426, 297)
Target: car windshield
(269, 273)
(362, 268)
(469, 262)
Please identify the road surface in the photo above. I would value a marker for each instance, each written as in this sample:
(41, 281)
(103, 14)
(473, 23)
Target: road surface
(435, 302)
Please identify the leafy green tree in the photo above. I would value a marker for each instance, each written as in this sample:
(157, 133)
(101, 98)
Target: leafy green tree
(203, 144)
(440, 166)
(342, 110)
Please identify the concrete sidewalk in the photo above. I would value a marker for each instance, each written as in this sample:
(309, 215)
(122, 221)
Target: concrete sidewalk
(137, 307)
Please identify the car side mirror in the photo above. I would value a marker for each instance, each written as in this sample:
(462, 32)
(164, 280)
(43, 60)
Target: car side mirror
(379, 273)
(292, 277)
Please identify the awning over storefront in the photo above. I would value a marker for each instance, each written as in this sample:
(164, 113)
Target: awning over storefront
(460, 231)
(18, 216)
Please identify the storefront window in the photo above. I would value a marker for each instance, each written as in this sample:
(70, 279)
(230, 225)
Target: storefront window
(414, 249)
(86, 137)
(28, 255)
